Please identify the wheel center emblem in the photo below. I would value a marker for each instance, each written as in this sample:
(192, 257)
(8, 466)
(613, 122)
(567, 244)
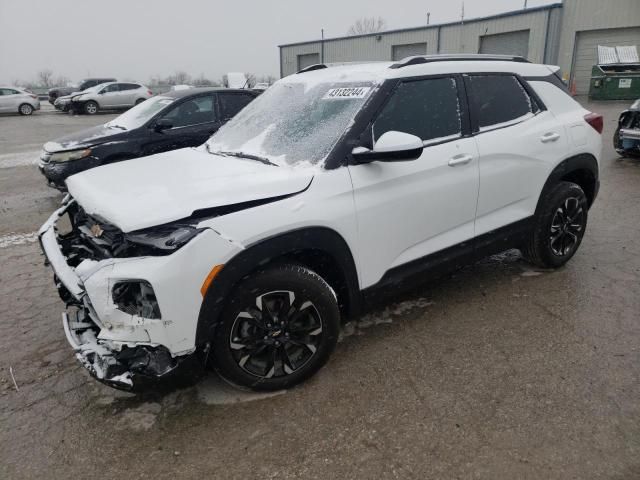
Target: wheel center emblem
(276, 333)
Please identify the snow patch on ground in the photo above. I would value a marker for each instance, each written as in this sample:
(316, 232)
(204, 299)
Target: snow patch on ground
(213, 390)
(15, 239)
(381, 317)
(139, 419)
(8, 160)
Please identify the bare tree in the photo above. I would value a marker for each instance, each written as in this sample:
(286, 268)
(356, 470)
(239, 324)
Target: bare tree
(45, 78)
(268, 79)
(225, 81)
(251, 80)
(61, 81)
(367, 25)
(202, 81)
(178, 78)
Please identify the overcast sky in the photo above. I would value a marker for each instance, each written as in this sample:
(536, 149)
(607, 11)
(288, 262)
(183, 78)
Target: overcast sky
(134, 39)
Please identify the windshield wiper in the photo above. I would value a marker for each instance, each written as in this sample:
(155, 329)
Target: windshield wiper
(117, 126)
(250, 156)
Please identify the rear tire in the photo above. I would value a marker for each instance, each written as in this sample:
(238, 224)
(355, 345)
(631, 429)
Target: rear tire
(139, 101)
(279, 328)
(25, 109)
(91, 108)
(559, 226)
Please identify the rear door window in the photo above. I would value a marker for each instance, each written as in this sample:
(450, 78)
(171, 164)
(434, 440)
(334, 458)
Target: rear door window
(115, 87)
(429, 109)
(232, 103)
(499, 100)
(128, 86)
(193, 112)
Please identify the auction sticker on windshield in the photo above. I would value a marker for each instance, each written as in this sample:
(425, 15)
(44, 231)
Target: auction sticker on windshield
(346, 92)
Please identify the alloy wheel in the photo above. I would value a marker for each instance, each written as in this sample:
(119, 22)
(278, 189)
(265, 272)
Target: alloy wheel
(26, 109)
(277, 336)
(566, 227)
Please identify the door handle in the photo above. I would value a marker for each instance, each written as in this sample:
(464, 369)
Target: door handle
(461, 159)
(549, 137)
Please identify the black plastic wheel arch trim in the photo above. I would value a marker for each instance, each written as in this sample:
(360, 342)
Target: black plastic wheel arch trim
(320, 239)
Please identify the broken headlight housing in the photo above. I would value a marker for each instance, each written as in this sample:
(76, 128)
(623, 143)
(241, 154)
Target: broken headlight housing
(70, 155)
(163, 240)
(136, 297)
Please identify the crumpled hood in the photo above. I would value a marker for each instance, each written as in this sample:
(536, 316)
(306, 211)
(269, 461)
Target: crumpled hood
(84, 138)
(162, 188)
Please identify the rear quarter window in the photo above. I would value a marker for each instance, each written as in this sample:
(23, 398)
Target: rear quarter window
(555, 99)
(499, 100)
(232, 103)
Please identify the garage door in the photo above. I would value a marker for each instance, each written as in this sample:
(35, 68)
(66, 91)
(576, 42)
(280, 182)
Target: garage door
(510, 43)
(308, 59)
(398, 52)
(586, 51)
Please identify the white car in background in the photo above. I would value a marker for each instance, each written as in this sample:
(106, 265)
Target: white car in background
(18, 100)
(334, 187)
(109, 96)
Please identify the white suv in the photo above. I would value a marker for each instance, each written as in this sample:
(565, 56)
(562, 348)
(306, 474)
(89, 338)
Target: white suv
(334, 186)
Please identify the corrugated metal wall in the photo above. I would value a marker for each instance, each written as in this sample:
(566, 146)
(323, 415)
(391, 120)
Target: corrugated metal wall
(585, 15)
(465, 38)
(556, 27)
(454, 38)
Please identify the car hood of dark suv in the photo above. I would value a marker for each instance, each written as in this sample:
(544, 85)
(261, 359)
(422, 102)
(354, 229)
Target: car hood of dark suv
(86, 138)
(170, 186)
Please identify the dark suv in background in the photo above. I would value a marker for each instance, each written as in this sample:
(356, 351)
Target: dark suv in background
(56, 92)
(178, 119)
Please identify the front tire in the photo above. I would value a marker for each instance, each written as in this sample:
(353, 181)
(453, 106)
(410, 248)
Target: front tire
(279, 328)
(25, 109)
(91, 108)
(559, 226)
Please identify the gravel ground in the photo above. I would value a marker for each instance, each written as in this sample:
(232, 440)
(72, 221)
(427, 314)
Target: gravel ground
(496, 371)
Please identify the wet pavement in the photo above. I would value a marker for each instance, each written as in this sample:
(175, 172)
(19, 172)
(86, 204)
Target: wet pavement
(496, 371)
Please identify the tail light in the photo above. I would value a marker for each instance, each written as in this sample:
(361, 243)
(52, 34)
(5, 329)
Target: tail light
(33, 96)
(149, 92)
(595, 120)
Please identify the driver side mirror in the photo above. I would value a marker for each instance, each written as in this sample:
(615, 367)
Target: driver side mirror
(392, 146)
(163, 124)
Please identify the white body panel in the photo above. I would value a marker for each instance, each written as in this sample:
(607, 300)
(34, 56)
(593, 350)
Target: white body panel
(388, 213)
(175, 184)
(515, 161)
(407, 210)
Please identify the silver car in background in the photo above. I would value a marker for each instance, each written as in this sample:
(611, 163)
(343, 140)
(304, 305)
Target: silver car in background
(110, 96)
(18, 100)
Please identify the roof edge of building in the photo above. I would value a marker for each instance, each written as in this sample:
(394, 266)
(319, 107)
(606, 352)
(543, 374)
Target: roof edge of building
(427, 27)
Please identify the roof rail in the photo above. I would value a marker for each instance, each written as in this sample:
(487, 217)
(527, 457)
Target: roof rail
(311, 68)
(462, 57)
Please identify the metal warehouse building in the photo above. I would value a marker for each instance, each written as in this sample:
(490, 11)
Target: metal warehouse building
(565, 34)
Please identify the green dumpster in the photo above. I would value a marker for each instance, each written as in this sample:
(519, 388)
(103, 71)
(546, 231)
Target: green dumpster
(615, 82)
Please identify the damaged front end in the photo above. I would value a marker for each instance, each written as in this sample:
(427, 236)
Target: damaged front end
(626, 139)
(131, 368)
(126, 345)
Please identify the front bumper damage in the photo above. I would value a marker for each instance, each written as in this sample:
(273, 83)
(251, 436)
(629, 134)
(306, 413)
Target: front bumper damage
(131, 368)
(126, 365)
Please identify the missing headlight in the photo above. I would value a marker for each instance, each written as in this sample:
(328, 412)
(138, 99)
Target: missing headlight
(162, 240)
(136, 297)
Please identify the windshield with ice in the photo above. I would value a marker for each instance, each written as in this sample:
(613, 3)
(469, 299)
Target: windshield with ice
(140, 114)
(293, 122)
